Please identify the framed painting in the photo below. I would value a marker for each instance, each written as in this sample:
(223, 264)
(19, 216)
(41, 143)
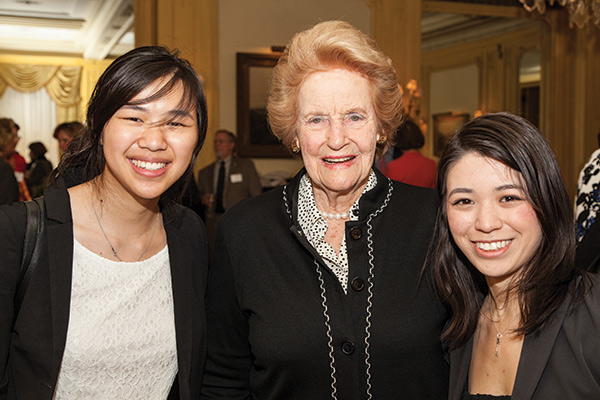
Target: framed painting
(255, 138)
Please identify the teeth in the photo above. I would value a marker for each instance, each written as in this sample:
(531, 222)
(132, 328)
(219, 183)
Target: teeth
(150, 166)
(338, 160)
(491, 246)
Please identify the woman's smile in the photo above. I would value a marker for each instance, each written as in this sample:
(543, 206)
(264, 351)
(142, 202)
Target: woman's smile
(337, 130)
(338, 160)
(148, 165)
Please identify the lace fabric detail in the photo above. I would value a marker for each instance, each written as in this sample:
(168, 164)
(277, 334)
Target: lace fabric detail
(121, 335)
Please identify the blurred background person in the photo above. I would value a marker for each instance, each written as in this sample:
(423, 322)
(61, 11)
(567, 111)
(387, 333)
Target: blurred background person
(587, 212)
(66, 132)
(115, 306)
(38, 170)
(227, 181)
(314, 286)
(525, 320)
(409, 165)
(16, 161)
(9, 189)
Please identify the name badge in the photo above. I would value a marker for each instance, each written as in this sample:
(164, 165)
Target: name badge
(236, 178)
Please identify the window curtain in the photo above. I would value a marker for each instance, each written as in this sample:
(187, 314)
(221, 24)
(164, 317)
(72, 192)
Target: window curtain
(30, 108)
(61, 82)
(35, 112)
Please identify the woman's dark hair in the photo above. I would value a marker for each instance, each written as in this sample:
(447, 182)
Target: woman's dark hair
(37, 149)
(72, 129)
(545, 279)
(408, 137)
(125, 78)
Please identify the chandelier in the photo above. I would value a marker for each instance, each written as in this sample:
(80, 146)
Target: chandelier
(580, 11)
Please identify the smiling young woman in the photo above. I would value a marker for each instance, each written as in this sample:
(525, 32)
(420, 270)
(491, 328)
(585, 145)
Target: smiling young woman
(502, 258)
(119, 291)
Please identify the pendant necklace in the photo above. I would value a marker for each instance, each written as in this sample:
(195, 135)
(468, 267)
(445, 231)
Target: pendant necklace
(106, 236)
(498, 333)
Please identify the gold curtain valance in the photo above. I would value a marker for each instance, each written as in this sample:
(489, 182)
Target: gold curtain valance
(61, 82)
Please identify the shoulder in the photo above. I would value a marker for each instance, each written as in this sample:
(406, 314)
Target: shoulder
(185, 230)
(255, 209)
(47, 164)
(242, 162)
(420, 158)
(207, 169)
(592, 297)
(412, 209)
(397, 162)
(584, 318)
(12, 219)
(581, 325)
(415, 196)
(183, 218)
(12, 233)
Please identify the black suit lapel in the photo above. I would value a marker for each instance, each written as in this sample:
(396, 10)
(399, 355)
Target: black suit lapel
(460, 361)
(59, 236)
(181, 280)
(535, 354)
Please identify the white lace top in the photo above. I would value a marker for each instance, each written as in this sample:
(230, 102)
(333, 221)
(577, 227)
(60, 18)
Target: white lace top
(121, 335)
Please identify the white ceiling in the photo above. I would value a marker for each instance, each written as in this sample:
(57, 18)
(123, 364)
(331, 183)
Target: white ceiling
(96, 29)
(93, 29)
(441, 29)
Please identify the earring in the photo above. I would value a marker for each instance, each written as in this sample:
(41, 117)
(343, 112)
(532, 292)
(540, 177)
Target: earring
(295, 146)
(381, 139)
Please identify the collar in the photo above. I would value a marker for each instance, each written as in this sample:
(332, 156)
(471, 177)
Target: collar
(368, 203)
(58, 205)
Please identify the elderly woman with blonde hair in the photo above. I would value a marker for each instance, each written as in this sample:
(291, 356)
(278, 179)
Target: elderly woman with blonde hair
(314, 291)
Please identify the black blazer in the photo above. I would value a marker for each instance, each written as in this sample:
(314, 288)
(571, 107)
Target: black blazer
(267, 337)
(31, 354)
(563, 362)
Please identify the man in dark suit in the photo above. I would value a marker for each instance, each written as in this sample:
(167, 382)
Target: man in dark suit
(225, 182)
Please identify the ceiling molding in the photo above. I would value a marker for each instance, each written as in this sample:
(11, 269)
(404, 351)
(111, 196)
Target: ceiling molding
(91, 29)
(455, 7)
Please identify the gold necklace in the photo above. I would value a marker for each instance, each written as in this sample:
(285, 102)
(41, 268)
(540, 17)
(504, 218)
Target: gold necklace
(114, 251)
(498, 333)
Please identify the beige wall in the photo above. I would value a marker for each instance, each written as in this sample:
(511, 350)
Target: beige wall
(454, 90)
(253, 27)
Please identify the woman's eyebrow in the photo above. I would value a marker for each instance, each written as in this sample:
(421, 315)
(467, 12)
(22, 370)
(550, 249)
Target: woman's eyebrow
(135, 107)
(172, 113)
(180, 113)
(460, 190)
(509, 186)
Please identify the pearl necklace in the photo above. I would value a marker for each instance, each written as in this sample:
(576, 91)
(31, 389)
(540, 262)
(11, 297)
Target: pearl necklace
(334, 216)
